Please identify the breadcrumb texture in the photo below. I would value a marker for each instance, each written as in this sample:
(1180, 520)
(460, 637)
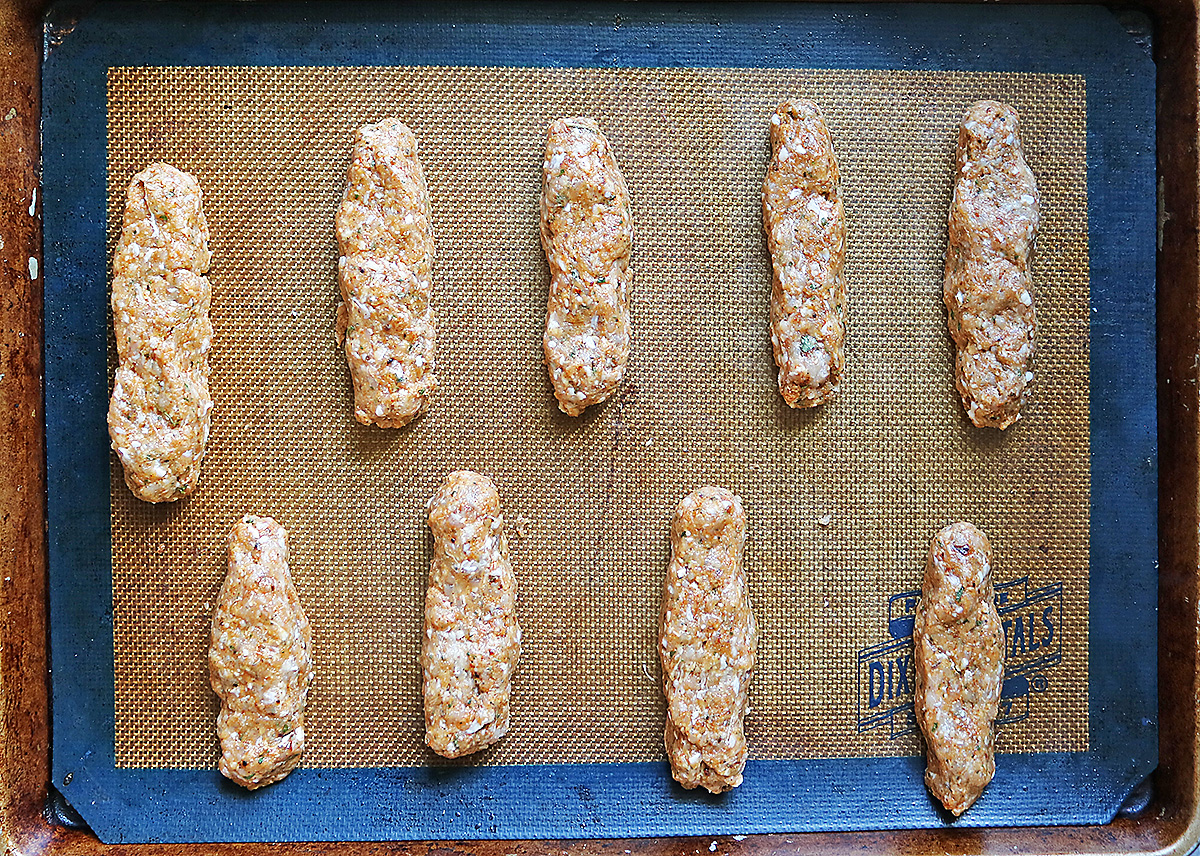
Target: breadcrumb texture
(988, 288)
(959, 650)
(158, 415)
(708, 641)
(587, 233)
(385, 322)
(806, 236)
(472, 639)
(260, 660)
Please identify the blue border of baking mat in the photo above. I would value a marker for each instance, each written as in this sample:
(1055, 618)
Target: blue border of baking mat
(604, 800)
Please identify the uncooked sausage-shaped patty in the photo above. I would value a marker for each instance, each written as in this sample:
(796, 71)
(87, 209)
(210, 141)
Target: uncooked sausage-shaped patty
(988, 289)
(472, 639)
(708, 641)
(959, 647)
(260, 660)
(385, 320)
(158, 416)
(587, 233)
(806, 234)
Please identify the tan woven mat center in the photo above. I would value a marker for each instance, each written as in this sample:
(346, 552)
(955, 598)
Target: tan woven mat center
(841, 502)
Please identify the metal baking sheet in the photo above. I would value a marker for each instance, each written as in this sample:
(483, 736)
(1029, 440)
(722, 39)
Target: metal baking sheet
(790, 786)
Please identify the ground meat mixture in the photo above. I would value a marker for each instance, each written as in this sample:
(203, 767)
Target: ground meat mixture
(158, 416)
(587, 233)
(959, 649)
(472, 639)
(708, 641)
(260, 660)
(988, 288)
(806, 235)
(385, 322)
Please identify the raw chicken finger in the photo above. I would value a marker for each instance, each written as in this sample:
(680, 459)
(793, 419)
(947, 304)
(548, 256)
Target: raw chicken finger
(806, 235)
(988, 288)
(260, 660)
(959, 656)
(708, 641)
(385, 321)
(158, 416)
(587, 233)
(472, 639)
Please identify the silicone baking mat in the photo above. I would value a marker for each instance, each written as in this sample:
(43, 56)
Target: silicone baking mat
(886, 466)
(842, 501)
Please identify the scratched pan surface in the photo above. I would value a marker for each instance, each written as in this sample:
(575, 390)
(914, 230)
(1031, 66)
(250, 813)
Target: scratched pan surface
(261, 106)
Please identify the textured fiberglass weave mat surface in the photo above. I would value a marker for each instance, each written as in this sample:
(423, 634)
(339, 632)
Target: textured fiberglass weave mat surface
(841, 501)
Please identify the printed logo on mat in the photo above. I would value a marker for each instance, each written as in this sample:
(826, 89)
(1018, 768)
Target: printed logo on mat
(1032, 623)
